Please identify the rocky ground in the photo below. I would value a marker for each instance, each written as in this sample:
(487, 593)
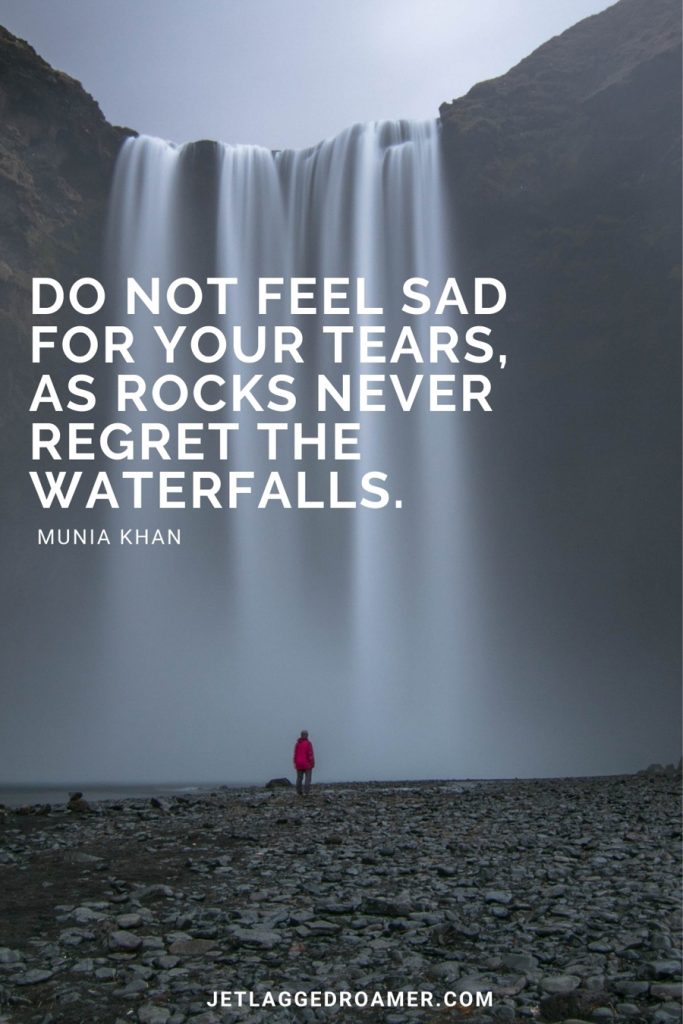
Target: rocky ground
(561, 897)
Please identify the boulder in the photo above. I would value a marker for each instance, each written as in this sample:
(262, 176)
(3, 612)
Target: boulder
(281, 783)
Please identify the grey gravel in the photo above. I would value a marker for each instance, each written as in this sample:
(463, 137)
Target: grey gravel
(559, 896)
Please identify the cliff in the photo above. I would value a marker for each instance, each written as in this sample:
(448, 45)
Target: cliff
(577, 149)
(565, 176)
(57, 154)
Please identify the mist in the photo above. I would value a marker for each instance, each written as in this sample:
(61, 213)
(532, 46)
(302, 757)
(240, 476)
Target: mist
(518, 616)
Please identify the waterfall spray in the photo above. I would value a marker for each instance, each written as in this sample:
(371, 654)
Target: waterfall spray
(360, 617)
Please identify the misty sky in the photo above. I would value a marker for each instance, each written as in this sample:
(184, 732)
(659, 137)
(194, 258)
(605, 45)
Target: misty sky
(282, 73)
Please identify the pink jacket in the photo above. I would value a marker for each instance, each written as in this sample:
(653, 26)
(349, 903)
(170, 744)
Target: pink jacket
(304, 758)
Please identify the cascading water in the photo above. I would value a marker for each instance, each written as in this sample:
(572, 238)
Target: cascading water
(354, 623)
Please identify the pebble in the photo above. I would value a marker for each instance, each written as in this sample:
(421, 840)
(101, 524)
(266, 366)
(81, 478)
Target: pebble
(132, 990)
(34, 977)
(191, 947)
(672, 990)
(125, 940)
(151, 1014)
(520, 961)
(9, 956)
(86, 915)
(665, 968)
(260, 938)
(105, 973)
(127, 921)
(560, 983)
(494, 896)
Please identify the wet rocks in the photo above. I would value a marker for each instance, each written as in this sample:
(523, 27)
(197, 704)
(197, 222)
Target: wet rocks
(128, 941)
(9, 956)
(151, 1014)
(560, 983)
(78, 804)
(363, 887)
(498, 897)
(191, 947)
(664, 968)
(280, 783)
(34, 977)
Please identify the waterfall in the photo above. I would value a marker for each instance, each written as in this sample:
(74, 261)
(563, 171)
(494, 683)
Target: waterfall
(356, 624)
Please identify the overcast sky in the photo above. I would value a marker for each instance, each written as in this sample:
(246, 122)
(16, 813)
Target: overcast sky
(282, 73)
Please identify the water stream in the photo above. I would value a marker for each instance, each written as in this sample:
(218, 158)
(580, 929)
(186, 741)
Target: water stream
(357, 624)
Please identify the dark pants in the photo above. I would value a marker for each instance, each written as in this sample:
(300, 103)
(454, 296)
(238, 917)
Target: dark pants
(303, 780)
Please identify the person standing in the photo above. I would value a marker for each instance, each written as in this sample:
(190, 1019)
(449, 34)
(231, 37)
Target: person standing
(304, 762)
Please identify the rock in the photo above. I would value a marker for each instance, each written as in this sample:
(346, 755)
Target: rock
(77, 805)
(27, 809)
(57, 159)
(125, 940)
(127, 921)
(83, 967)
(520, 961)
(75, 936)
(452, 932)
(560, 1005)
(159, 804)
(86, 915)
(256, 937)
(560, 983)
(509, 986)
(631, 987)
(34, 977)
(334, 907)
(166, 963)
(323, 927)
(76, 857)
(155, 892)
(281, 783)
(105, 973)
(132, 990)
(664, 968)
(192, 947)
(668, 990)
(9, 956)
(152, 1014)
(475, 983)
(385, 908)
(497, 896)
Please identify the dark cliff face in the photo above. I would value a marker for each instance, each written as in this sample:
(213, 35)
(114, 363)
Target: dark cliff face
(56, 157)
(565, 176)
(574, 109)
(576, 149)
(57, 154)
